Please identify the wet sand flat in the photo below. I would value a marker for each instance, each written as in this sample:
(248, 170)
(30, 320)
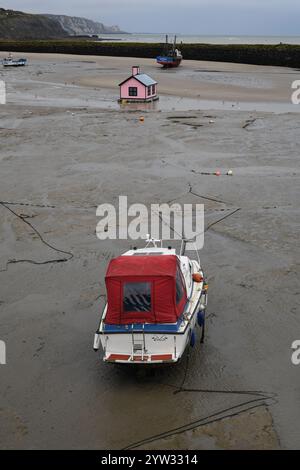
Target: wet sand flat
(194, 79)
(60, 159)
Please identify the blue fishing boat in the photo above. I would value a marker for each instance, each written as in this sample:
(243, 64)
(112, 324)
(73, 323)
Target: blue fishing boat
(171, 56)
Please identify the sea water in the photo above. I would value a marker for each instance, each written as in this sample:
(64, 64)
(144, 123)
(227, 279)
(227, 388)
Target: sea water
(194, 39)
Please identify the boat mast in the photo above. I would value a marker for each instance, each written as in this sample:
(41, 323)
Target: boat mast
(166, 44)
(174, 47)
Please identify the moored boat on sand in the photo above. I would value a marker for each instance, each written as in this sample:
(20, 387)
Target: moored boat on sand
(11, 62)
(155, 298)
(171, 56)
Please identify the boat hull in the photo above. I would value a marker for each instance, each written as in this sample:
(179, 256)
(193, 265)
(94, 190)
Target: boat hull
(169, 62)
(152, 343)
(159, 346)
(14, 63)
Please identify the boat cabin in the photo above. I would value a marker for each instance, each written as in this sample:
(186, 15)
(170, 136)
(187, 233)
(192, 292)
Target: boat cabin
(137, 88)
(145, 289)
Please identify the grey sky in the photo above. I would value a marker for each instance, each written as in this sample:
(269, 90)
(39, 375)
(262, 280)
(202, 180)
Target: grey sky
(228, 17)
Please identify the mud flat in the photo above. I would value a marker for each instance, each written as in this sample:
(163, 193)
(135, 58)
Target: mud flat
(60, 158)
(51, 77)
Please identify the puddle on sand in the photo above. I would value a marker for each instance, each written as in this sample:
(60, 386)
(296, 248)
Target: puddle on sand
(247, 430)
(58, 95)
(174, 103)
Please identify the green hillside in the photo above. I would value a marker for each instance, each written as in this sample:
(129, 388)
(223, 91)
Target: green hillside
(19, 25)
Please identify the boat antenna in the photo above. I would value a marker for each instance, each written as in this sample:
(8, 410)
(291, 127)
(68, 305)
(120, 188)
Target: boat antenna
(153, 241)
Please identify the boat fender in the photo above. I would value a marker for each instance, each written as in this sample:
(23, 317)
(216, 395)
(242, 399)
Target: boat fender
(96, 341)
(201, 317)
(197, 277)
(193, 338)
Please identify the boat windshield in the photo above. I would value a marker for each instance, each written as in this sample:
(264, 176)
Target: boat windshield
(137, 297)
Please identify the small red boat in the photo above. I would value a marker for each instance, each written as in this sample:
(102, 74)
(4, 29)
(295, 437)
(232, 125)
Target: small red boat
(171, 56)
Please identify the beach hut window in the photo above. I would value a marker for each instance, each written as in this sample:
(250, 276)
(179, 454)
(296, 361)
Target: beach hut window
(149, 90)
(137, 297)
(132, 91)
(153, 89)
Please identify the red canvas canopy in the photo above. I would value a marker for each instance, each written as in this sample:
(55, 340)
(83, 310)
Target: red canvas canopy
(144, 289)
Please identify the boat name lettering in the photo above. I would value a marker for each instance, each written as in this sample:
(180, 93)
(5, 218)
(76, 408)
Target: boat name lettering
(159, 338)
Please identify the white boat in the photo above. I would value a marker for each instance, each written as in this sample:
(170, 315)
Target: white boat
(155, 299)
(11, 62)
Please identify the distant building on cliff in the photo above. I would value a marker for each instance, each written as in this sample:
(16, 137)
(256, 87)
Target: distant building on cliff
(139, 87)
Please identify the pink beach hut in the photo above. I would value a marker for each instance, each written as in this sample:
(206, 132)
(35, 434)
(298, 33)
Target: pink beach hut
(138, 88)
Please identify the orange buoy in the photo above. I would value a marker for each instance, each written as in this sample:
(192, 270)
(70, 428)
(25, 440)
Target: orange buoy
(197, 277)
(142, 119)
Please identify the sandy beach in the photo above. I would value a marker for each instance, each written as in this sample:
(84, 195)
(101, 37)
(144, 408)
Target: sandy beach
(66, 147)
(53, 77)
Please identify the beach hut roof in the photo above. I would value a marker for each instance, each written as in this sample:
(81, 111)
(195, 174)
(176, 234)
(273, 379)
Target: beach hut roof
(142, 78)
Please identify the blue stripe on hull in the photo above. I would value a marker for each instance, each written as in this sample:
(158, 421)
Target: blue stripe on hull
(148, 328)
